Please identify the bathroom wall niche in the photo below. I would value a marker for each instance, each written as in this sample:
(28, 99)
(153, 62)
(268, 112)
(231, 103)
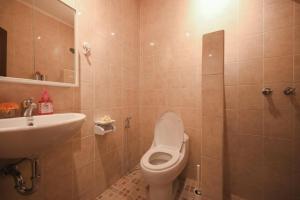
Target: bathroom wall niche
(40, 42)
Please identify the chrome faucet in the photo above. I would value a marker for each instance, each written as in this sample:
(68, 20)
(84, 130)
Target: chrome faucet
(28, 107)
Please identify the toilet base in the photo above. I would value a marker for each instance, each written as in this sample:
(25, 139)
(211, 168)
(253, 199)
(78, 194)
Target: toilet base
(163, 192)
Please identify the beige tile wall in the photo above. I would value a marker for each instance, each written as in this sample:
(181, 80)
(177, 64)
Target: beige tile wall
(261, 135)
(109, 86)
(213, 115)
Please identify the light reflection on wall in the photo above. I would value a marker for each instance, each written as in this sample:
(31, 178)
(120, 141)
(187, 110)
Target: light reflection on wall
(212, 15)
(211, 8)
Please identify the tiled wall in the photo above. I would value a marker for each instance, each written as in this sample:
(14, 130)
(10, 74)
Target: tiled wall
(109, 86)
(213, 115)
(87, 164)
(27, 54)
(262, 145)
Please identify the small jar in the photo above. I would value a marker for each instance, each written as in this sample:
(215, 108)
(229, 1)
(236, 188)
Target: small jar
(8, 114)
(8, 110)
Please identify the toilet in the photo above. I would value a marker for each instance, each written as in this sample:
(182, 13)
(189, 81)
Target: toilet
(166, 158)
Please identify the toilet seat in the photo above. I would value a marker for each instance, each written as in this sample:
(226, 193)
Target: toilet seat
(169, 131)
(163, 150)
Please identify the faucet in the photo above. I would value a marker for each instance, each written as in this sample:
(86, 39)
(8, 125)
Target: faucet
(28, 107)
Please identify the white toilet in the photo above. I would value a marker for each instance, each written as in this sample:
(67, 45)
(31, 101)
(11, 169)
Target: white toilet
(166, 158)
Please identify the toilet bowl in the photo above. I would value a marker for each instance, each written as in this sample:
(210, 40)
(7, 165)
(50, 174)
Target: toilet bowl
(166, 158)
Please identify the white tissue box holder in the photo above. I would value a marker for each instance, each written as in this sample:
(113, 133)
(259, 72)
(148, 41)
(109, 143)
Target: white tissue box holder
(102, 128)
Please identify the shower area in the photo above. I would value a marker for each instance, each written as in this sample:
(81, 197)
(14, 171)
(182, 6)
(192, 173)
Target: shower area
(261, 138)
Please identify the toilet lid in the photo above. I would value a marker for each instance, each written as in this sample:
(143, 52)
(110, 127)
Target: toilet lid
(169, 131)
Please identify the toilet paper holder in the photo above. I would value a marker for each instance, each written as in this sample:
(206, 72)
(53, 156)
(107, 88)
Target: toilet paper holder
(101, 128)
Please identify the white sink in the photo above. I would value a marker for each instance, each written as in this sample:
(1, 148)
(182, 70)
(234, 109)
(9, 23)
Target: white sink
(19, 140)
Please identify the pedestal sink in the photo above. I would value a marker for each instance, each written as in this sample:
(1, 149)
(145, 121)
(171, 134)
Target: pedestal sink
(20, 139)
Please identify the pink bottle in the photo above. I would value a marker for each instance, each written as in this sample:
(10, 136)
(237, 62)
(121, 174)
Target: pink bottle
(45, 105)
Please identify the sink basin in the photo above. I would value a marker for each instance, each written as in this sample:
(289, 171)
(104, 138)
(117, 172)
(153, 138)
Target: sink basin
(19, 140)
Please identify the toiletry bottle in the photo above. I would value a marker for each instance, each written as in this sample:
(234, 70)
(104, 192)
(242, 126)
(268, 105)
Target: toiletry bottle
(45, 104)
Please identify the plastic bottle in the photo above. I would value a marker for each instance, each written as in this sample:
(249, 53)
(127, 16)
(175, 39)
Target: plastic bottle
(45, 105)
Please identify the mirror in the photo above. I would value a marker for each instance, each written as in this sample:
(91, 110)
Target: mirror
(37, 41)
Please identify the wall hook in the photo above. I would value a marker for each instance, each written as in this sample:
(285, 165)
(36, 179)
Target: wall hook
(289, 91)
(267, 91)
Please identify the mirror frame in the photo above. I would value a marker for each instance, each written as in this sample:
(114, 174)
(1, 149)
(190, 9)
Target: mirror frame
(52, 83)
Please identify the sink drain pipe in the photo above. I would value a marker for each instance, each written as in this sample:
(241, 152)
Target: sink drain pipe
(20, 184)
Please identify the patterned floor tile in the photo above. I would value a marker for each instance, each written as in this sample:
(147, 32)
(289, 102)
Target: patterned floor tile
(133, 187)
